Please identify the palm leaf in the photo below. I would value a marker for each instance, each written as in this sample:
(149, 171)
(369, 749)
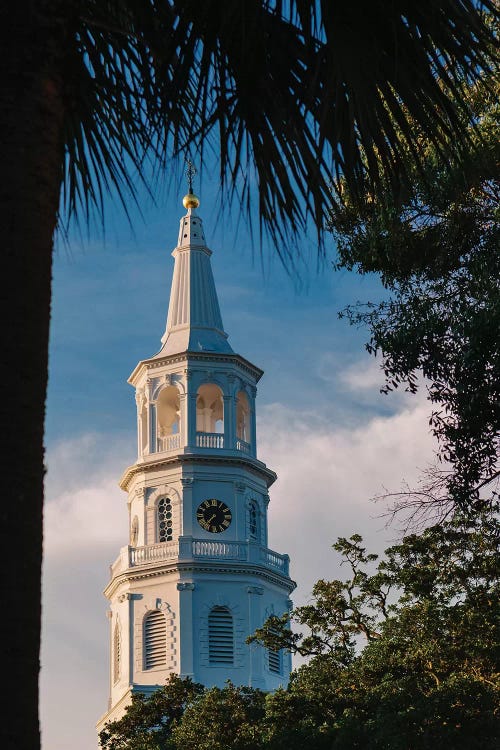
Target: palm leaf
(289, 94)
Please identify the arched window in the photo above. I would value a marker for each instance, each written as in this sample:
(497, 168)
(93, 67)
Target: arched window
(164, 520)
(168, 419)
(220, 636)
(242, 418)
(116, 653)
(155, 640)
(253, 521)
(275, 661)
(210, 409)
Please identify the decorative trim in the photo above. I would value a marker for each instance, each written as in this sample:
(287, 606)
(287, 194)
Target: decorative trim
(234, 359)
(255, 590)
(185, 586)
(252, 464)
(132, 575)
(150, 605)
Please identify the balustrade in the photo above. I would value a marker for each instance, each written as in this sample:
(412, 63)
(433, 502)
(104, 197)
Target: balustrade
(242, 445)
(209, 440)
(169, 443)
(274, 559)
(188, 548)
(153, 553)
(207, 548)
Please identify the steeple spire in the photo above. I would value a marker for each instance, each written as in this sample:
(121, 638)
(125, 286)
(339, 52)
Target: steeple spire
(194, 322)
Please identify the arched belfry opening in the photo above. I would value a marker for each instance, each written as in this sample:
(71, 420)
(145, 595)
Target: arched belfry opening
(243, 420)
(168, 418)
(210, 416)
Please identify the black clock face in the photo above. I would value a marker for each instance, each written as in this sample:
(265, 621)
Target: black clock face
(213, 516)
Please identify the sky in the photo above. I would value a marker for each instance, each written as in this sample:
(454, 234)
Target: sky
(322, 424)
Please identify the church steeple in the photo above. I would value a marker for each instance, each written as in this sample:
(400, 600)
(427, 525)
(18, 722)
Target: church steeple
(197, 576)
(194, 322)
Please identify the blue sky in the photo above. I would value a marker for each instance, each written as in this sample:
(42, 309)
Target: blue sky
(322, 423)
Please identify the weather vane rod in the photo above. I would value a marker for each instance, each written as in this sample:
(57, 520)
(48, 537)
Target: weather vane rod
(190, 173)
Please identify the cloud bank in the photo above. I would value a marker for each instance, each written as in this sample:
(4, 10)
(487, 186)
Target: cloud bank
(327, 474)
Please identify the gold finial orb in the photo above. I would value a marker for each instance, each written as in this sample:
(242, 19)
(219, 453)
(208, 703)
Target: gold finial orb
(190, 201)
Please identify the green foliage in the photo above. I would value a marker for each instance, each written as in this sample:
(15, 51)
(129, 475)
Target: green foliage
(404, 654)
(148, 721)
(223, 719)
(277, 85)
(436, 249)
(428, 673)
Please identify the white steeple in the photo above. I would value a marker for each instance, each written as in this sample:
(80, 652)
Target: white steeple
(194, 322)
(197, 576)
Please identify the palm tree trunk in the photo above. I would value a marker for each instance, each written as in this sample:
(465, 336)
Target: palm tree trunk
(31, 125)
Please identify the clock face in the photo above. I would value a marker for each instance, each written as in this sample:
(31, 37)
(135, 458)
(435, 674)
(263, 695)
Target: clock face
(213, 516)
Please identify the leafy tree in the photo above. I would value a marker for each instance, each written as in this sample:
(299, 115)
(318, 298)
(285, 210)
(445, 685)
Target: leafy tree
(428, 672)
(435, 247)
(93, 91)
(231, 718)
(148, 721)
(404, 653)
(187, 715)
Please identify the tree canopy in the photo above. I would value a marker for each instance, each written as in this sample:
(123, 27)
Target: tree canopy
(435, 247)
(294, 93)
(403, 653)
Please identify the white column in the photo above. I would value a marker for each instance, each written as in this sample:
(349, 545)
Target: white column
(253, 424)
(255, 676)
(229, 422)
(186, 630)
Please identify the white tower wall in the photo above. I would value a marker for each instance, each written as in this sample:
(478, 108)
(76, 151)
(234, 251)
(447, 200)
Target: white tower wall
(196, 577)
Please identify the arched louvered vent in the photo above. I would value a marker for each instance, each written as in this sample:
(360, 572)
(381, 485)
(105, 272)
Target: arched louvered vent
(116, 653)
(274, 661)
(220, 636)
(155, 640)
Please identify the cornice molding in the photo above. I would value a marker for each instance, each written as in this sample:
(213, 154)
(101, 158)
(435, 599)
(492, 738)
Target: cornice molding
(252, 464)
(131, 575)
(153, 363)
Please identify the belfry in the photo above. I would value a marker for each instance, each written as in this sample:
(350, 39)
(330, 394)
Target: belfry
(197, 576)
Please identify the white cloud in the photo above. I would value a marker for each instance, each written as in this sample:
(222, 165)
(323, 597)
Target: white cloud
(85, 508)
(326, 476)
(85, 525)
(363, 374)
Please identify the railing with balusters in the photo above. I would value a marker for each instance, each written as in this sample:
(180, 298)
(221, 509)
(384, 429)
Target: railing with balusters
(169, 443)
(172, 443)
(187, 548)
(207, 548)
(153, 552)
(242, 445)
(209, 440)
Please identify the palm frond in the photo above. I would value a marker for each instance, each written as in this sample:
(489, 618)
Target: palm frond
(290, 94)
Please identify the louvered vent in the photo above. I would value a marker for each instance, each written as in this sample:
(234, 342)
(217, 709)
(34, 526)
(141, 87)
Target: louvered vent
(155, 640)
(220, 636)
(274, 661)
